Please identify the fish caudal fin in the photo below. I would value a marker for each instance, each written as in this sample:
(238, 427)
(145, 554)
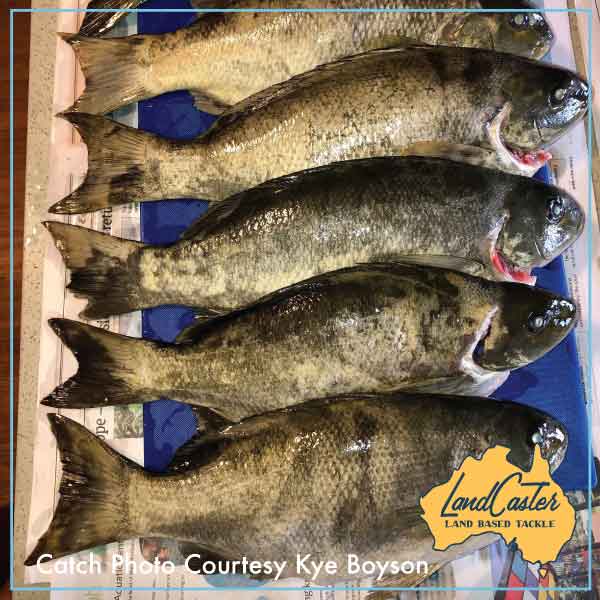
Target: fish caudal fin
(114, 74)
(92, 509)
(98, 23)
(104, 269)
(109, 367)
(117, 170)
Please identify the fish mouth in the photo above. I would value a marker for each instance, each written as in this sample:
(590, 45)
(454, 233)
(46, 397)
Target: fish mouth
(535, 159)
(524, 162)
(508, 271)
(505, 269)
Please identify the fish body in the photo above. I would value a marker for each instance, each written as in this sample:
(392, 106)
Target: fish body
(255, 50)
(256, 488)
(368, 328)
(479, 220)
(483, 106)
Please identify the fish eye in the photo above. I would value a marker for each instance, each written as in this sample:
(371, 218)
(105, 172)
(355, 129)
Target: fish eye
(556, 209)
(520, 21)
(557, 96)
(536, 323)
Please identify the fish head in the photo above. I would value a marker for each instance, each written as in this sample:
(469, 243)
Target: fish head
(528, 323)
(545, 101)
(540, 222)
(552, 438)
(530, 427)
(527, 34)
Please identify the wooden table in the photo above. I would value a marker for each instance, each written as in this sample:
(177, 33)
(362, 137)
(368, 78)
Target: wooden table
(21, 77)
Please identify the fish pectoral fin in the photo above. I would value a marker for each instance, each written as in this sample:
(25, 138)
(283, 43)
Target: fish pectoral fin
(454, 263)
(458, 28)
(401, 580)
(206, 103)
(471, 155)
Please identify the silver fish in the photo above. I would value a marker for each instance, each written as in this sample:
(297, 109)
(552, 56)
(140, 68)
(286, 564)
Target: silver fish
(371, 328)
(427, 210)
(480, 106)
(256, 489)
(226, 57)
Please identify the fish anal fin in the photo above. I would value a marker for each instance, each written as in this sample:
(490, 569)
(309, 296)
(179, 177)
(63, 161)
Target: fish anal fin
(454, 263)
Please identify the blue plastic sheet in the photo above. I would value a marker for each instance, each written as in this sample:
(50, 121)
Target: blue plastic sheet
(552, 383)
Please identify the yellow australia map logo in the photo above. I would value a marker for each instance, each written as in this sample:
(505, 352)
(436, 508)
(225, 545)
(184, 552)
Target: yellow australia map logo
(490, 495)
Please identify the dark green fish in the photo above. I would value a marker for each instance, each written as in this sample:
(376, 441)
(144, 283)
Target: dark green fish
(472, 219)
(256, 489)
(480, 106)
(226, 57)
(372, 328)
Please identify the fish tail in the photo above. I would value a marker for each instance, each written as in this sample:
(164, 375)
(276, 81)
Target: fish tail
(104, 269)
(117, 169)
(114, 70)
(92, 509)
(99, 23)
(110, 367)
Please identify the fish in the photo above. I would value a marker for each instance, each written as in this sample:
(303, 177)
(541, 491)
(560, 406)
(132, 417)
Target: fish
(256, 488)
(368, 328)
(284, 44)
(119, 71)
(479, 106)
(427, 210)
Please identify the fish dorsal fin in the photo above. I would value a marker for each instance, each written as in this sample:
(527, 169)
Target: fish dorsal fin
(206, 103)
(220, 211)
(194, 332)
(199, 450)
(207, 222)
(287, 88)
(204, 447)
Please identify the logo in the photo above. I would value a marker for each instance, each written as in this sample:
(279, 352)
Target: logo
(491, 495)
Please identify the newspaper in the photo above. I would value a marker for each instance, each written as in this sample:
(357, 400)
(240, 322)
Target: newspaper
(591, 25)
(122, 427)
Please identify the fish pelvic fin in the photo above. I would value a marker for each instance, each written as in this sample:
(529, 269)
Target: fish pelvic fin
(92, 509)
(115, 72)
(118, 170)
(111, 367)
(104, 269)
